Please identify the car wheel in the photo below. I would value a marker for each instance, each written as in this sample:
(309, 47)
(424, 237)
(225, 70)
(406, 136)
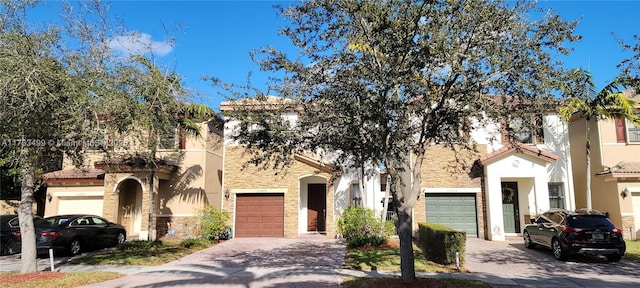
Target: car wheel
(75, 247)
(120, 238)
(558, 252)
(7, 248)
(527, 240)
(614, 257)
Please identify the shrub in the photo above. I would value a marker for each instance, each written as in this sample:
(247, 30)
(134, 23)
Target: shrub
(360, 227)
(195, 242)
(440, 243)
(213, 223)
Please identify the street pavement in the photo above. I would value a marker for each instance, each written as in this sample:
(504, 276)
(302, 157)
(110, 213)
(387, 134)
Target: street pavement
(318, 262)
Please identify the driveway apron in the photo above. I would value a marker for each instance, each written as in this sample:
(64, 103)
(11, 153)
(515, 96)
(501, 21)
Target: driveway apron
(247, 262)
(510, 264)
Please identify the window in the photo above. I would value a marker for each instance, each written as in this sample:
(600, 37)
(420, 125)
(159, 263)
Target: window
(556, 195)
(167, 138)
(633, 131)
(356, 196)
(625, 130)
(527, 130)
(383, 182)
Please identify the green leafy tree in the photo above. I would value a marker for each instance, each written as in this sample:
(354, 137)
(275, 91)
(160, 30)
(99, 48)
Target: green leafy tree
(160, 107)
(42, 103)
(609, 103)
(61, 85)
(378, 82)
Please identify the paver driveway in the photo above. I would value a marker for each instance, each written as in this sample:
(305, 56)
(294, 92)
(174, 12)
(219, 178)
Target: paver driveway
(512, 262)
(247, 262)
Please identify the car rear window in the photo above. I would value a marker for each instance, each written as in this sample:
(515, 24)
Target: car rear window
(590, 221)
(51, 221)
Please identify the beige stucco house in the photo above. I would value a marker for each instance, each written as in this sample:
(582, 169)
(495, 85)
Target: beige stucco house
(503, 185)
(615, 168)
(186, 176)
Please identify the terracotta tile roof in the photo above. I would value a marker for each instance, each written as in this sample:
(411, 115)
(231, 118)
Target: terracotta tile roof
(518, 147)
(75, 173)
(623, 168)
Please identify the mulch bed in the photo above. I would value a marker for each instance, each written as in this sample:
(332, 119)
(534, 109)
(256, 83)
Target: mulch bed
(29, 277)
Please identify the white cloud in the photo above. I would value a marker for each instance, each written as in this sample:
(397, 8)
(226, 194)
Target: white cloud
(139, 43)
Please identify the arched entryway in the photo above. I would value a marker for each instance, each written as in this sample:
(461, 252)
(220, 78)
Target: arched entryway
(313, 204)
(129, 192)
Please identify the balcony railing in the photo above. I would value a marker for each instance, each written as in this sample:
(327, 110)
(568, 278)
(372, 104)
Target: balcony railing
(391, 216)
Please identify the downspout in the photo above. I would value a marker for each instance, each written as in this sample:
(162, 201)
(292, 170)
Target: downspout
(600, 145)
(569, 167)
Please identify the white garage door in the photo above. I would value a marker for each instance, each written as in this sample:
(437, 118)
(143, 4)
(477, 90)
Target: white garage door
(80, 205)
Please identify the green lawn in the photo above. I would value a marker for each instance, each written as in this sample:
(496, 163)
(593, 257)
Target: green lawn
(387, 258)
(633, 250)
(146, 253)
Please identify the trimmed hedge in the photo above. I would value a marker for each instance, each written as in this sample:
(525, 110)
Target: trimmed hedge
(440, 243)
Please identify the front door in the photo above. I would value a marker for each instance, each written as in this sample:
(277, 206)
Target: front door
(316, 207)
(510, 207)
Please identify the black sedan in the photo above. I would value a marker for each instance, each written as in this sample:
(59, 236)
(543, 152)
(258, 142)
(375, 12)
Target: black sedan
(10, 236)
(566, 233)
(77, 233)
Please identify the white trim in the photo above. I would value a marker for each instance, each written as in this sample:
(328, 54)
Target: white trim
(259, 190)
(79, 194)
(633, 189)
(313, 175)
(451, 190)
(142, 185)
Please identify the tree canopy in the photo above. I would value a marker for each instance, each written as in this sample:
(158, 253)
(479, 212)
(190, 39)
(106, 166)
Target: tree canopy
(64, 92)
(379, 81)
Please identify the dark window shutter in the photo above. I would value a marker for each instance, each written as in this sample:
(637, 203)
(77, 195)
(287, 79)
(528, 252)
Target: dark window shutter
(621, 130)
(539, 129)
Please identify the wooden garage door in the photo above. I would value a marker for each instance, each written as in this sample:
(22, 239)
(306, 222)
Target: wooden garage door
(259, 215)
(80, 205)
(457, 211)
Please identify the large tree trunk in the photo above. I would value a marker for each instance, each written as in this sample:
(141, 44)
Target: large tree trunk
(406, 189)
(405, 233)
(25, 210)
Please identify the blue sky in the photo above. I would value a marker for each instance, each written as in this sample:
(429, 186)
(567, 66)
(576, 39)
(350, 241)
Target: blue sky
(216, 36)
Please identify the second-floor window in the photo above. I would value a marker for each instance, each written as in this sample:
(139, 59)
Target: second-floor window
(523, 129)
(167, 138)
(625, 130)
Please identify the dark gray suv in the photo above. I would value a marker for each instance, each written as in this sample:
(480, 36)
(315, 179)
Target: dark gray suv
(566, 233)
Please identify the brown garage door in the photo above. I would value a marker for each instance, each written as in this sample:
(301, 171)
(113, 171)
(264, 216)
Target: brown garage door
(259, 215)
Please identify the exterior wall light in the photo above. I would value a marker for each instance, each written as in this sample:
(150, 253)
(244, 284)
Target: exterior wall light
(226, 194)
(49, 197)
(625, 192)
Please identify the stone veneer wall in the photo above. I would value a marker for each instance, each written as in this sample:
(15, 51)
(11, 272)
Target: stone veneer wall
(253, 179)
(183, 226)
(438, 171)
(111, 198)
(628, 227)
